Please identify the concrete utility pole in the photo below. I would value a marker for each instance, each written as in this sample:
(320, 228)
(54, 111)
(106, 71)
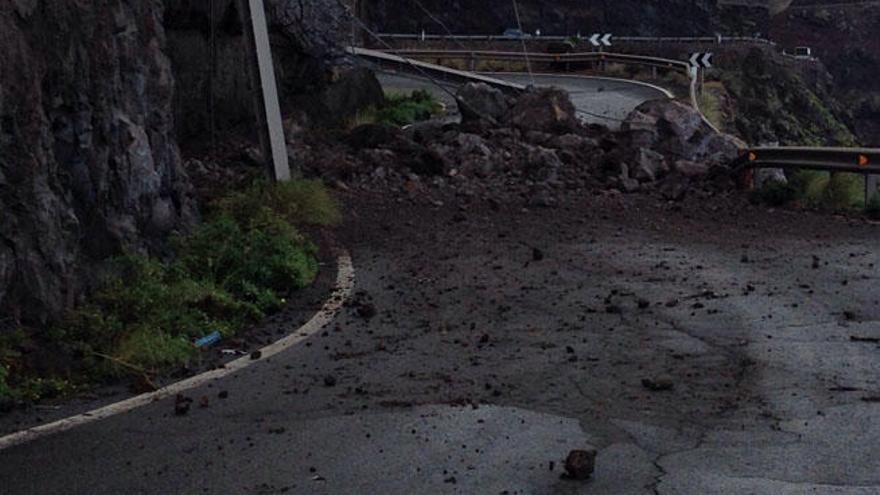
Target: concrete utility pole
(266, 103)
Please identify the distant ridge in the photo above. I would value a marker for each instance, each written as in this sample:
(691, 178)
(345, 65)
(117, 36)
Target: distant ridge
(773, 6)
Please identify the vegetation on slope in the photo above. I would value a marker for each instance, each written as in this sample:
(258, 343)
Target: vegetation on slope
(237, 267)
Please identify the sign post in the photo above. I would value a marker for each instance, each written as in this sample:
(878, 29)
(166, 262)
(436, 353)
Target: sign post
(698, 61)
(266, 103)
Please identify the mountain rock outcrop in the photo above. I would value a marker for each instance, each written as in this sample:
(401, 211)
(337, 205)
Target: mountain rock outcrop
(208, 56)
(88, 162)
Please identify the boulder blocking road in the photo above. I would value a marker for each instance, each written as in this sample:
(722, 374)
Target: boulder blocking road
(710, 347)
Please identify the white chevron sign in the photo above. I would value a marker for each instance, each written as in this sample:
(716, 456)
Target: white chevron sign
(701, 60)
(599, 39)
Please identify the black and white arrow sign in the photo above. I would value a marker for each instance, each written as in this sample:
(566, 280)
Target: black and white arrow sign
(701, 60)
(599, 39)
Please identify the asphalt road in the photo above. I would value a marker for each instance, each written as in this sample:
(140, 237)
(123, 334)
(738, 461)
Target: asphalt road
(486, 361)
(601, 101)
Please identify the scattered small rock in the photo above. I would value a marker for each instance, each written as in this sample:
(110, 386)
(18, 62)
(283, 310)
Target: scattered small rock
(658, 383)
(181, 405)
(580, 464)
(329, 381)
(256, 355)
(366, 310)
(537, 254)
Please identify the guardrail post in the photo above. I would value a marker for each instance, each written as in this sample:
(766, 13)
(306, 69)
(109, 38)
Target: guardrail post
(871, 185)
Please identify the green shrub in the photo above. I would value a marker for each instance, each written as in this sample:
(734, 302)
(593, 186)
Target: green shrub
(231, 271)
(775, 192)
(399, 109)
(872, 209)
(266, 253)
(37, 388)
(839, 191)
(845, 191)
(403, 110)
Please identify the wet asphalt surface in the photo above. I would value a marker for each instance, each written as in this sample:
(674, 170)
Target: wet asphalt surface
(706, 348)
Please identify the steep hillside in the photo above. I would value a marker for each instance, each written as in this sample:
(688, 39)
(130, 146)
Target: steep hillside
(845, 38)
(769, 103)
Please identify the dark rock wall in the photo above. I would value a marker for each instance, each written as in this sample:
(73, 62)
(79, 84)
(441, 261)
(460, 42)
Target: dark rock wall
(306, 39)
(88, 162)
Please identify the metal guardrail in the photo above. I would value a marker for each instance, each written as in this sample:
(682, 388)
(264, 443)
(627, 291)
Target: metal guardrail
(617, 39)
(856, 160)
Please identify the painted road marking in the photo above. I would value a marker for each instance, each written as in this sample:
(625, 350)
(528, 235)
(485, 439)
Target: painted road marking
(341, 292)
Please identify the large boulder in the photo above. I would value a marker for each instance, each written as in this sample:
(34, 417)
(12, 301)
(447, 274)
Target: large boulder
(89, 166)
(548, 110)
(353, 91)
(479, 101)
(679, 132)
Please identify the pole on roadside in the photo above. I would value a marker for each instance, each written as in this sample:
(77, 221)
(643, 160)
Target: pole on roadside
(265, 90)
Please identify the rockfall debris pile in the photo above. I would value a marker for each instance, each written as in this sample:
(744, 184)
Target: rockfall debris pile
(528, 148)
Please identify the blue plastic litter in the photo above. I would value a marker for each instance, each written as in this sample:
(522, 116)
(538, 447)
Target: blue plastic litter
(211, 338)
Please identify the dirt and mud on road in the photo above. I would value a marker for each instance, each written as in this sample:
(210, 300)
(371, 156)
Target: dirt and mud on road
(704, 346)
(723, 347)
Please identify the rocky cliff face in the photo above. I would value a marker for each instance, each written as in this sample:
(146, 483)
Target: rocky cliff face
(306, 38)
(88, 163)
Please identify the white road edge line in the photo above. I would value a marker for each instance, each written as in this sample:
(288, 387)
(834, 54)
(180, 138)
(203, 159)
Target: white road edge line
(341, 292)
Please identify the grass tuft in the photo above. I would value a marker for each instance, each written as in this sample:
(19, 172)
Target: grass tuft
(400, 109)
(815, 189)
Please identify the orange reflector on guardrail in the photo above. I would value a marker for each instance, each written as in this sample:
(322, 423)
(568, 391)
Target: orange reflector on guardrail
(863, 161)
